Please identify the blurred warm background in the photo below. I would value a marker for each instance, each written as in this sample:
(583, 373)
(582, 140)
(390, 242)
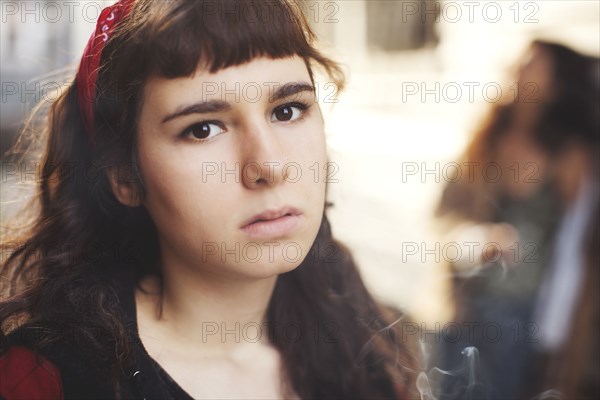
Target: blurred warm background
(386, 124)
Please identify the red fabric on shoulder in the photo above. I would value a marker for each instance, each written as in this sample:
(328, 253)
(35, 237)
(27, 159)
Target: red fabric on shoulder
(23, 376)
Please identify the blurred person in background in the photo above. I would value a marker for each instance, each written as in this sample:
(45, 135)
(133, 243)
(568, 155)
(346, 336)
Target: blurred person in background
(532, 301)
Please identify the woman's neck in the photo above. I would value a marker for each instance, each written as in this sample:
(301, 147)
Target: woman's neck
(207, 312)
(206, 338)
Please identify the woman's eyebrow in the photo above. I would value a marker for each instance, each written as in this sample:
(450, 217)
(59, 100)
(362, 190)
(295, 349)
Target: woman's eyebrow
(290, 89)
(199, 108)
(281, 92)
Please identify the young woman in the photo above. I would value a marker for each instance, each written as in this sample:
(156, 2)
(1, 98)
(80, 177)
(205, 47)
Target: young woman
(181, 247)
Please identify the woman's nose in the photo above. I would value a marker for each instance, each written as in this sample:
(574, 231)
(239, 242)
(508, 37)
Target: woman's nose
(262, 156)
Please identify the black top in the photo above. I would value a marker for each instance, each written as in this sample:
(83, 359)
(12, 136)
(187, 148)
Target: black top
(172, 386)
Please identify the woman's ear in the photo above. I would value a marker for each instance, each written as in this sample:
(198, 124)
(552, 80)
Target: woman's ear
(124, 183)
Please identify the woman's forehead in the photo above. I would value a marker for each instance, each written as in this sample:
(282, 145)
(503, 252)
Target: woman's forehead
(262, 73)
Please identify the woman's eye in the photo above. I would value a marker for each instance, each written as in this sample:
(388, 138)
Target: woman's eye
(288, 112)
(203, 130)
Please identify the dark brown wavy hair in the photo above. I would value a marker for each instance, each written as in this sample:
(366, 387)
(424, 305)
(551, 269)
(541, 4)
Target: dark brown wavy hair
(59, 278)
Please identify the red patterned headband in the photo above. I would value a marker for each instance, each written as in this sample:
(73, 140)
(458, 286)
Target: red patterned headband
(87, 74)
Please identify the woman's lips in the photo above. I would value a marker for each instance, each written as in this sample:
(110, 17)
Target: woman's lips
(272, 227)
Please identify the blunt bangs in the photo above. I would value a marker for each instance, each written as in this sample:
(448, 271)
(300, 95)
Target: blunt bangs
(178, 37)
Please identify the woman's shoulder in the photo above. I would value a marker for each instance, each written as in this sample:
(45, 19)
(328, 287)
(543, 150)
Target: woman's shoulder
(61, 368)
(26, 374)
(33, 362)
(59, 361)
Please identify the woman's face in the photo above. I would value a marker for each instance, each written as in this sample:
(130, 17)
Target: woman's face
(233, 165)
